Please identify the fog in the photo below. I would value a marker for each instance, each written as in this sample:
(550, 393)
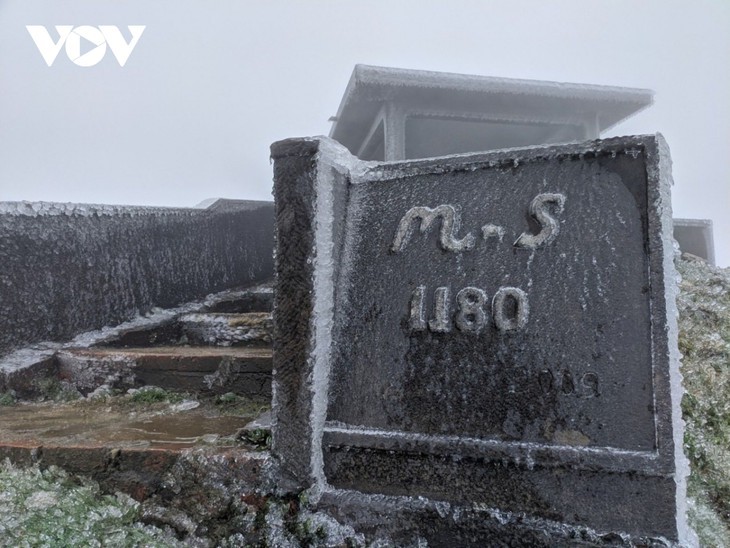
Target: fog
(210, 85)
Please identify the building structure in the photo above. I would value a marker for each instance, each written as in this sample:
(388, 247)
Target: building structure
(396, 114)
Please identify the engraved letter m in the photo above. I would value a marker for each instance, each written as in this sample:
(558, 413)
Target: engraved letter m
(427, 216)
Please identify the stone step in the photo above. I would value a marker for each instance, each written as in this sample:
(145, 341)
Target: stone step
(127, 445)
(255, 301)
(160, 334)
(25, 375)
(202, 328)
(200, 370)
(227, 329)
(259, 300)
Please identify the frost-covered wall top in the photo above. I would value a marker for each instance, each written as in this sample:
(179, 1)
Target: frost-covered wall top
(35, 209)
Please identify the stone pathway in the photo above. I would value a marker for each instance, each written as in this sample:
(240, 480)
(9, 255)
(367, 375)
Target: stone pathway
(127, 409)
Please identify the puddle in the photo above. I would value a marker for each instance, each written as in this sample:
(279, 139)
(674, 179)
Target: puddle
(82, 423)
(182, 429)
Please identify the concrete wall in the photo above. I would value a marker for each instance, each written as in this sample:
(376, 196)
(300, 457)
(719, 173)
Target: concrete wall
(70, 268)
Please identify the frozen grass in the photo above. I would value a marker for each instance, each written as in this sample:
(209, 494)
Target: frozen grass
(704, 340)
(51, 508)
(154, 394)
(52, 389)
(233, 404)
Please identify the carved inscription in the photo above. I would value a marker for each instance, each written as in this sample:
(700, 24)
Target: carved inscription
(543, 208)
(440, 322)
(417, 319)
(517, 320)
(493, 231)
(470, 316)
(549, 225)
(562, 382)
(508, 308)
(426, 218)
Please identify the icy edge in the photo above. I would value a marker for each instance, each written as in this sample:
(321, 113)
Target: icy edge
(55, 209)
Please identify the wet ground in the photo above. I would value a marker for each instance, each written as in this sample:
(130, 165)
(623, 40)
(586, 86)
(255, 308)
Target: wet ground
(120, 421)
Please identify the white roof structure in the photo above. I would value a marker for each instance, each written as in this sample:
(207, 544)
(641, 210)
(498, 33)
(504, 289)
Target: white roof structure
(395, 114)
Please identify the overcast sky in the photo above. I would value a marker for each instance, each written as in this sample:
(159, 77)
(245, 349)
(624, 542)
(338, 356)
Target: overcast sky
(210, 85)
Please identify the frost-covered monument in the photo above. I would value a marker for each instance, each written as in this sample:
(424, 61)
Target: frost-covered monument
(481, 348)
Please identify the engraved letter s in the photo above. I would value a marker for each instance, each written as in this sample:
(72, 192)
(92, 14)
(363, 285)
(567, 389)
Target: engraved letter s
(549, 225)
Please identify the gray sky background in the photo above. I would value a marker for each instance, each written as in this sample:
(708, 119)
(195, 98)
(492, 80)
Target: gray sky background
(211, 84)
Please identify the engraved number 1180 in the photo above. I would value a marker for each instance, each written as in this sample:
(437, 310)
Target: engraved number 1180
(508, 307)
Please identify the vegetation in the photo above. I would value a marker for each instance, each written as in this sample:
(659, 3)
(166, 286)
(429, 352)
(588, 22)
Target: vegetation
(51, 508)
(154, 394)
(704, 341)
(51, 389)
(233, 404)
(258, 437)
